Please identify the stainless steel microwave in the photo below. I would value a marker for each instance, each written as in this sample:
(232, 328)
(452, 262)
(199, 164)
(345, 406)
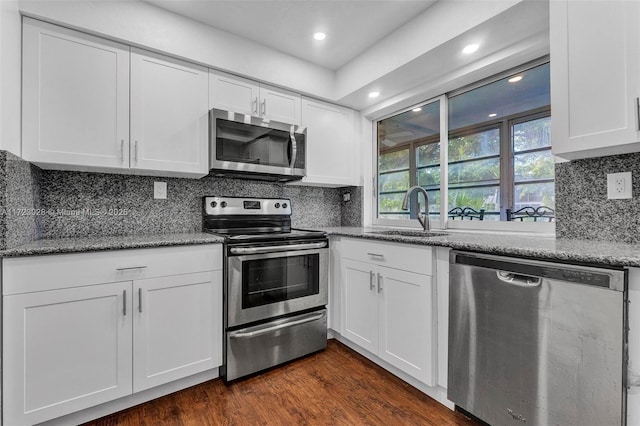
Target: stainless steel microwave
(245, 146)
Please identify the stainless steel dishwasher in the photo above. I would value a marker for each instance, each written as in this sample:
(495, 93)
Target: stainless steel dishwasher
(537, 343)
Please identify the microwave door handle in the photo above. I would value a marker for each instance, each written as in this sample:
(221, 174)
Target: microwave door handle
(294, 148)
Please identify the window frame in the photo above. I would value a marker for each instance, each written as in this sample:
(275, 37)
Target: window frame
(507, 185)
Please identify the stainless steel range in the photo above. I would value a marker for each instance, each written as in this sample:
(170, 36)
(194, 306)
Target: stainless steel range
(276, 283)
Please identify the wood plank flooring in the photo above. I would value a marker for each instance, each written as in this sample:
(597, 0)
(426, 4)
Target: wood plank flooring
(333, 387)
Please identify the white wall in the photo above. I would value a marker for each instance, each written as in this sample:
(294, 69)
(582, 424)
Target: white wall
(10, 71)
(147, 26)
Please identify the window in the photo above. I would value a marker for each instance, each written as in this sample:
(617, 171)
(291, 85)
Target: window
(498, 150)
(409, 155)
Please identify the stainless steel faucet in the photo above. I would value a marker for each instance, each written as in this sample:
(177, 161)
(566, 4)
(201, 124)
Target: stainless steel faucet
(423, 218)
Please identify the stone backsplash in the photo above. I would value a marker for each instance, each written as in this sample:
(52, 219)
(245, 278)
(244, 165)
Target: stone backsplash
(57, 204)
(582, 208)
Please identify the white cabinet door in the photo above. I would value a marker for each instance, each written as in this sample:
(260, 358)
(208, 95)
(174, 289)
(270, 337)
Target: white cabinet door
(177, 327)
(280, 105)
(231, 93)
(75, 98)
(595, 77)
(407, 324)
(359, 322)
(331, 144)
(65, 350)
(169, 115)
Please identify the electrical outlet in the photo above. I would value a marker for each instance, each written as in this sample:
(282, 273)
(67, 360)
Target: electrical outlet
(619, 186)
(160, 190)
(346, 197)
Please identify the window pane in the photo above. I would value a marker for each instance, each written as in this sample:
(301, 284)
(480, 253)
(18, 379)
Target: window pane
(501, 99)
(535, 195)
(428, 155)
(475, 172)
(397, 181)
(533, 166)
(407, 141)
(391, 203)
(532, 134)
(434, 202)
(477, 145)
(393, 160)
(487, 198)
(429, 176)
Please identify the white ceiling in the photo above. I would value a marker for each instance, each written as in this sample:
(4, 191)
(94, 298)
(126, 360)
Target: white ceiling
(351, 26)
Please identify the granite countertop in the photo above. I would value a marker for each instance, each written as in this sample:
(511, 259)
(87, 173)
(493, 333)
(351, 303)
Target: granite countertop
(83, 244)
(508, 244)
(512, 244)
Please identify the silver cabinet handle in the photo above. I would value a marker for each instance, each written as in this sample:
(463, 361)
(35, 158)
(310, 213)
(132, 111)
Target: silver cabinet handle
(127, 268)
(638, 113)
(122, 151)
(371, 279)
(124, 303)
(244, 334)
(140, 299)
(272, 249)
(255, 106)
(379, 283)
(264, 107)
(135, 151)
(379, 256)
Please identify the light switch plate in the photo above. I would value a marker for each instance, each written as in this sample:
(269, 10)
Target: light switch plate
(160, 190)
(619, 186)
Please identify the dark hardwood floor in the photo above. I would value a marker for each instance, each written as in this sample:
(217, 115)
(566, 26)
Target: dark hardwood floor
(333, 387)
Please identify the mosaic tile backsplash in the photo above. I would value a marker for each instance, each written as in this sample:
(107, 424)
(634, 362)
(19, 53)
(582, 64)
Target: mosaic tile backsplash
(58, 204)
(582, 208)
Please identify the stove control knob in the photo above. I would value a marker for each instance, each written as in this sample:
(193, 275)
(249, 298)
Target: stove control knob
(214, 204)
(284, 205)
(276, 205)
(223, 204)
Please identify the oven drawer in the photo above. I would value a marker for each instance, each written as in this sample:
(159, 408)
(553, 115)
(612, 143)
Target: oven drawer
(262, 346)
(407, 257)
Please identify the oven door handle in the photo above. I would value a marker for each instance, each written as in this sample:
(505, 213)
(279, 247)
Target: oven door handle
(272, 249)
(246, 334)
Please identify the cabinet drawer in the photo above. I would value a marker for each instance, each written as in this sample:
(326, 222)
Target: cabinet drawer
(407, 257)
(39, 273)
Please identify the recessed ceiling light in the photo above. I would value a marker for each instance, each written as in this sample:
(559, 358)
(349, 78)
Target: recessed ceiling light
(515, 79)
(374, 94)
(470, 48)
(319, 36)
(493, 114)
(417, 109)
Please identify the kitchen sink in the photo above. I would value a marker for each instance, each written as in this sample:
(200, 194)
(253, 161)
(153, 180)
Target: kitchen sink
(408, 233)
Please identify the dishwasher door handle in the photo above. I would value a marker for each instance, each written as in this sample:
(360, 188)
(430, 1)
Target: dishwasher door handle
(519, 280)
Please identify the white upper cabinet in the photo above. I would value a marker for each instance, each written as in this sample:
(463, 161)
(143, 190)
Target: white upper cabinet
(332, 148)
(244, 96)
(75, 107)
(595, 77)
(90, 104)
(231, 93)
(280, 105)
(169, 115)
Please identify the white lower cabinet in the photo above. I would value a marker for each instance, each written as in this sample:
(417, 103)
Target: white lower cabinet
(65, 350)
(68, 346)
(177, 327)
(391, 313)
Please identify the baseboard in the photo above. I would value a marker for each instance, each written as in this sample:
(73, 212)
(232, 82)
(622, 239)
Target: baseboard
(129, 401)
(436, 392)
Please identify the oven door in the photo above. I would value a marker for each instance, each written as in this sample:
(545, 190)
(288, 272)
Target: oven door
(267, 285)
